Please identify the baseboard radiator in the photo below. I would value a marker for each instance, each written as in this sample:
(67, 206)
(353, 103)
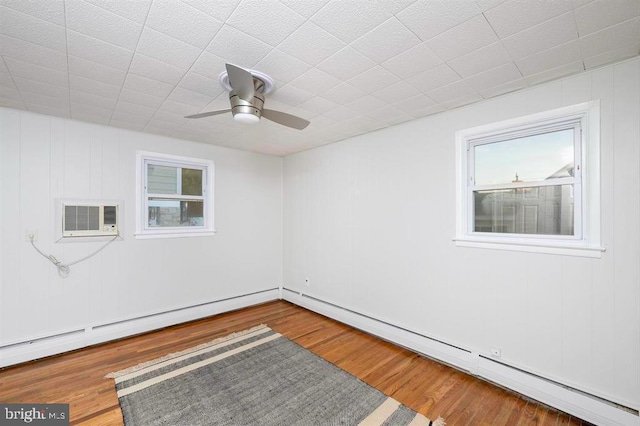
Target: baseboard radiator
(36, 347)
(577, 403)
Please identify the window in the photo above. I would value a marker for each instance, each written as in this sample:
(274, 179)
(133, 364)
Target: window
(532, 183)
(174, 196)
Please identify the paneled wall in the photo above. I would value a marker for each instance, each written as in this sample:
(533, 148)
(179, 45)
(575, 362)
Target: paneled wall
(43, 158)
(370, 222)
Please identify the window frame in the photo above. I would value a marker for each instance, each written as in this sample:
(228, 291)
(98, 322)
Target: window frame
(586, 238)
(143, 230)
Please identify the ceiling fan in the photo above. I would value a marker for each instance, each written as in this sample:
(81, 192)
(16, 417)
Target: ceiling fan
(246, 94)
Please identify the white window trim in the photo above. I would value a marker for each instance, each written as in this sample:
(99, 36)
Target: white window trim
(588, 243)
(142, 230)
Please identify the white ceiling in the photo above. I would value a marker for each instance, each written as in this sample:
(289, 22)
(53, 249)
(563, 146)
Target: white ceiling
(349, 66)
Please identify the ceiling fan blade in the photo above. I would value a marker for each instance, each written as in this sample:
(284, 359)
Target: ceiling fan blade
(285, 119)
(207, 114)
(241, 81)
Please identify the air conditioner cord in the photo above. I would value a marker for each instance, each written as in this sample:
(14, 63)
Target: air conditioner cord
(64, 268)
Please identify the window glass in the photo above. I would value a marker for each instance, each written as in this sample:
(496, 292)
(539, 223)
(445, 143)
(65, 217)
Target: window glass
(162, 179)
(191, 181)
(175, 213)
(527, 159)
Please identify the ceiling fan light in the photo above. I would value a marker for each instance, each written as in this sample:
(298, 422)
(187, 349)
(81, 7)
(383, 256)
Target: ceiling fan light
(246, 118)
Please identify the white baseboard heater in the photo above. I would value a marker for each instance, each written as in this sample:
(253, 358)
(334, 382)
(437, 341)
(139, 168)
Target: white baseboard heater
(577, 403)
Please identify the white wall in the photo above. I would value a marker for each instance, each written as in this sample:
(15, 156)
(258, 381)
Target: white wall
(43, 158)
(370, 222)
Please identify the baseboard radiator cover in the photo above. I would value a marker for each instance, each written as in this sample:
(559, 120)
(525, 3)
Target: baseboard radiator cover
(42, 346)
(577, 403)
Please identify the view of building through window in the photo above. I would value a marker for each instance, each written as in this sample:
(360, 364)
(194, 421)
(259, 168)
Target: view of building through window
(175, 196)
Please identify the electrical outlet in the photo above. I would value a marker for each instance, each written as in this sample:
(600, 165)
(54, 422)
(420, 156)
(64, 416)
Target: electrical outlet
(306, 282)
(30, 233)
(496, 352)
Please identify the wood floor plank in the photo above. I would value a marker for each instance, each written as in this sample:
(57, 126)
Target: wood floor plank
(431, 388)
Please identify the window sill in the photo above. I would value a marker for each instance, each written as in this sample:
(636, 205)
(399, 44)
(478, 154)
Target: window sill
(526, 246)
(156, 235)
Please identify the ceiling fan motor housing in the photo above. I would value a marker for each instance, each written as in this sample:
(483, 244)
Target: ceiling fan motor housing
(241, 106)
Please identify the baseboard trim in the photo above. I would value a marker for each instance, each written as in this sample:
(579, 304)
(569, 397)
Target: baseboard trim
(576, 403)
(52, 345)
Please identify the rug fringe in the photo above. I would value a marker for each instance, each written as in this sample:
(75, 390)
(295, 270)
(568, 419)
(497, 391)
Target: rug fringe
(439, 422)
(146, 364)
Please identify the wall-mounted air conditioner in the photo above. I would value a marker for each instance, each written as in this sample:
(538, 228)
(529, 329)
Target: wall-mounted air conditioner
(89, 220)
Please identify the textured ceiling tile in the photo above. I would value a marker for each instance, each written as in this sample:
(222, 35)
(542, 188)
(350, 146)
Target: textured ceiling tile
(98, 23)
(200, 84)
(40, 88)
(451, 92)
(415, 103)
(386, 41)
(12, 103)
(209, 65)
(10, 93)
(147, 85)
(366, 103)
(462, 101)
(176, 107)
(77, 82)
(85, 98)
(282, 66)
(612, 56)
(488, 4)
(311, 44)
(140, 98)
(550, 74)
(182, 22)
(480, 60)
(126, 111)
(349, 20)
(462, 39)
(551, 58)
(95, 50)
(387, 114)
(495, 77)
(221, 10)
(194, 99)
(31, 98)
(134, 10)
(289, 95)
(624, 34)
(35, 72)
(171, 119)
(6, 80)
(344, 93)
(396, 6)
(514, 16)
(556, 31)
(127, 125)
(600, 14)
(341, 114)
(396, 93)
(346, 64)
(413, 61)
(318, 105)
(238, 48)
(374, 79)
(55, 111)
(428, 19)
(433, 109)
(511, 86)
(306, 8)
(26, 27)
(103, 73)
(316, 81)
(269, 21)
(32, 53)
(439, 76)
(152, 68)
(49, 10)
(167, 49)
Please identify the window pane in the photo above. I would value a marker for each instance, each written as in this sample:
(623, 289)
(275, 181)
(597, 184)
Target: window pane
(191, 182)
(162, 179)
(545, 210)
(174, 213)
(526, 159)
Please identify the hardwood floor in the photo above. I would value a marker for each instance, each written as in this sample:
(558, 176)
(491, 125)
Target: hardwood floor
(433, 389)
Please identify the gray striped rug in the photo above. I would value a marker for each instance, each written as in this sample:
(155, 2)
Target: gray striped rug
(256, 377)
